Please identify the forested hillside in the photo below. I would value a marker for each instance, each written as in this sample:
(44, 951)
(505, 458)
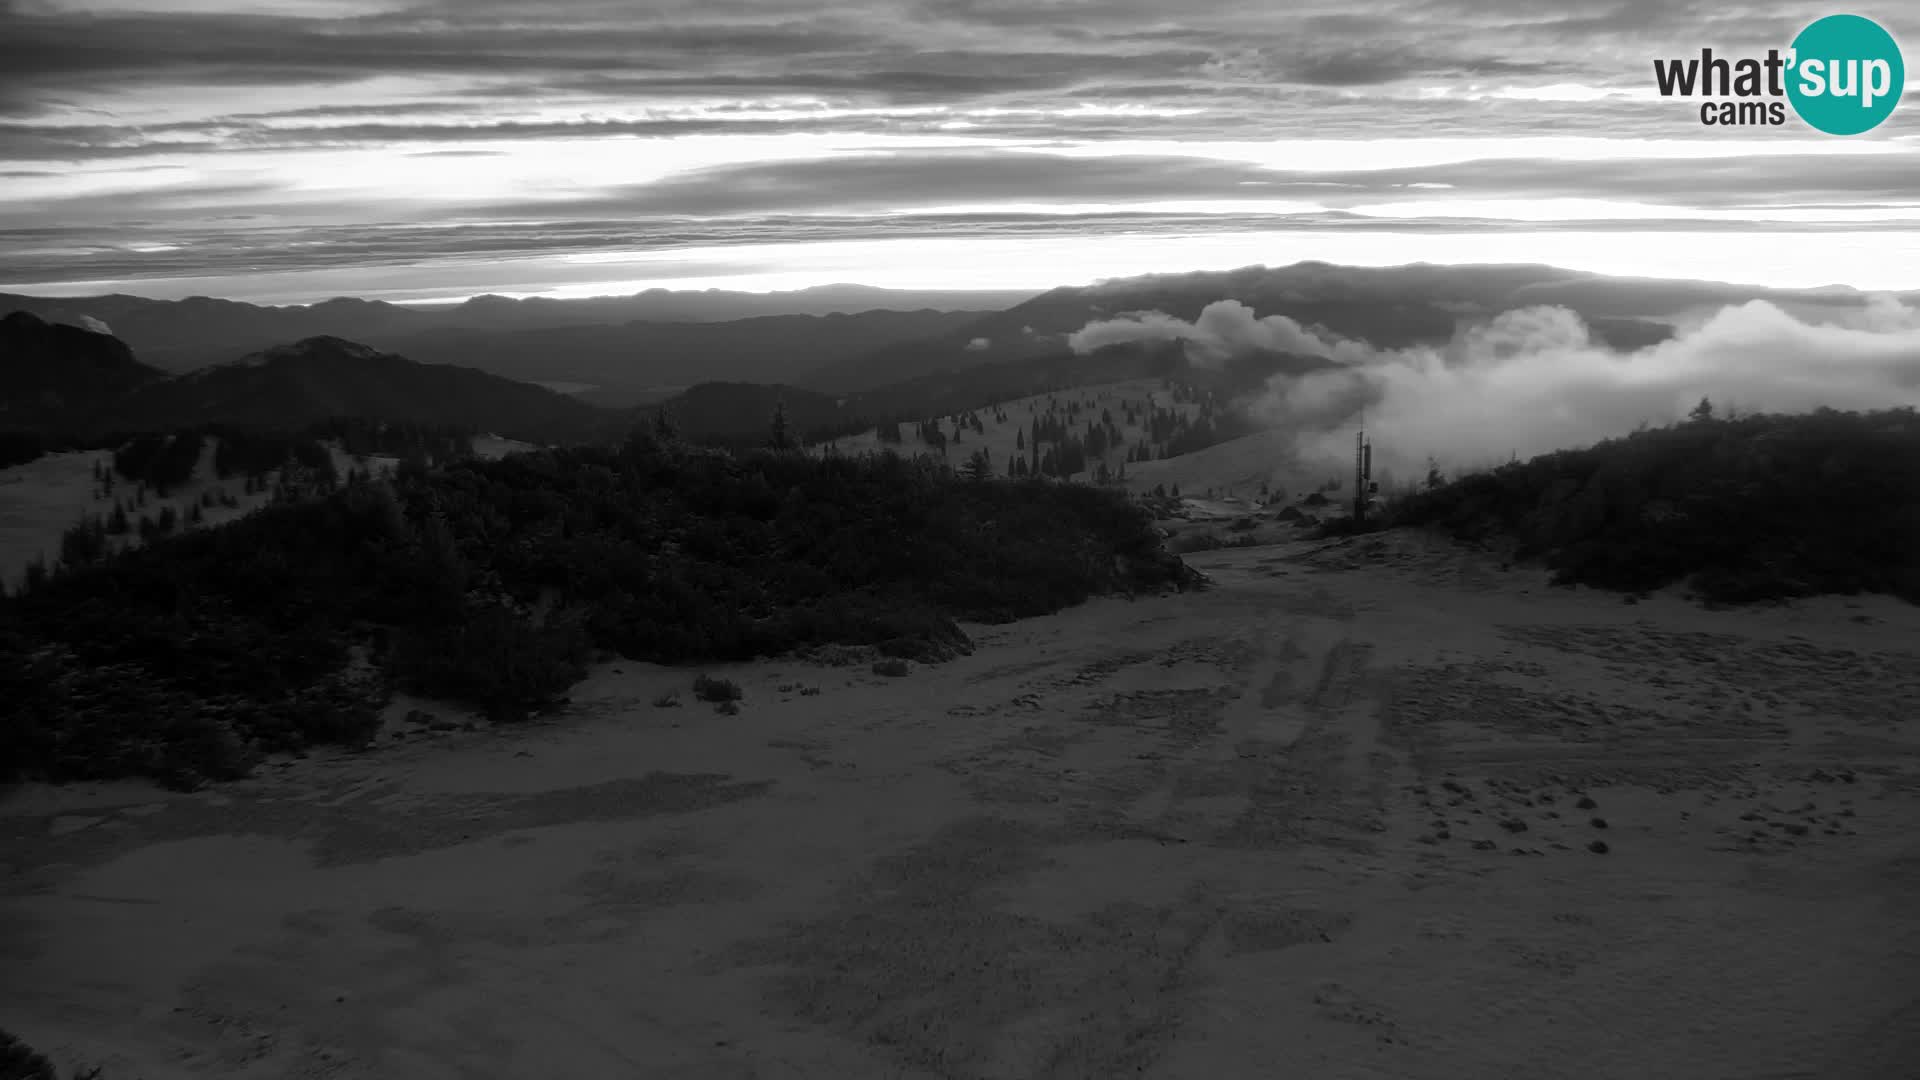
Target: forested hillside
(1759, 507)
(492, 582)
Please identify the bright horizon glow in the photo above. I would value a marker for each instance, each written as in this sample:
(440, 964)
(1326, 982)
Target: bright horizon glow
(1870, 262)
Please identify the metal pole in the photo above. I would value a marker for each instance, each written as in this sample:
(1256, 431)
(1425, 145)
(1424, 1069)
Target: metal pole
(1359, 475)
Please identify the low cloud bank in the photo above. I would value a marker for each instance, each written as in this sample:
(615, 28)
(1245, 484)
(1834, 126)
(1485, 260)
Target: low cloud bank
(1533, 380)
(1224, 329)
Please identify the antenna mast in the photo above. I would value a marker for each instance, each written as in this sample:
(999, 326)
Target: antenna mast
(1362, 474)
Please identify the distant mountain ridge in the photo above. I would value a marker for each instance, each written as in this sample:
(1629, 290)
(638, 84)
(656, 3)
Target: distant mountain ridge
(282, 388)
(625, 363)
(834, 372)
(1390, 307)
(183, 334)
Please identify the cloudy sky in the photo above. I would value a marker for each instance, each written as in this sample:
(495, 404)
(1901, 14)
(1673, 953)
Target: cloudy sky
(292, 150)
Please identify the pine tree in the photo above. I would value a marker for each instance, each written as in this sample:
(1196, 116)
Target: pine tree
(780, 437)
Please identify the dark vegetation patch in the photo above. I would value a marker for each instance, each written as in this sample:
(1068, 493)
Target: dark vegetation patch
(1760, 508)
(18, 1061)
(708, 688)
(491, 583)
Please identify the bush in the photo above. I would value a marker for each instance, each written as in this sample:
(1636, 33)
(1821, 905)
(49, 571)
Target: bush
(707, 688)
(894, 667)
(18, 1061)
(495, 658)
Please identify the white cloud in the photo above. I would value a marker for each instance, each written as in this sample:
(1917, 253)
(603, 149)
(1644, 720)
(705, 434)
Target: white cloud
(1533, 380)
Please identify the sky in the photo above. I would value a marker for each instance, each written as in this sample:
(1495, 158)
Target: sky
(287, 151)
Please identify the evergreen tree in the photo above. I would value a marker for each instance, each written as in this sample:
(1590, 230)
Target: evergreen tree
(780, 437)
(83, 542)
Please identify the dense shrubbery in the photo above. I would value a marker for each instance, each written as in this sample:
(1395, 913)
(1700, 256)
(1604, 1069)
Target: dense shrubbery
(1758, 508)
(490, 583)
(708, 688)
(21, 447)
(161, 461)
(18, 1061)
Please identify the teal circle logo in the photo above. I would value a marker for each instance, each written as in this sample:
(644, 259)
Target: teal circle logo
(1847, 74)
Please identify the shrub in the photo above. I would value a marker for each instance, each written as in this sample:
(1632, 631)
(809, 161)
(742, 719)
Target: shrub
(495, 657)
(18, 1061)
(708, 688)
(893, 667)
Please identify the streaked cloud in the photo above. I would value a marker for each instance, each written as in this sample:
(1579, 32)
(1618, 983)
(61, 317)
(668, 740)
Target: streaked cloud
(200, 138)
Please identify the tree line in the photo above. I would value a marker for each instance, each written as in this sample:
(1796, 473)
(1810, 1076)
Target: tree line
(493, 582)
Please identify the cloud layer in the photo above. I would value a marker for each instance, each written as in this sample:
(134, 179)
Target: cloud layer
(225, 136)
(1534, 379)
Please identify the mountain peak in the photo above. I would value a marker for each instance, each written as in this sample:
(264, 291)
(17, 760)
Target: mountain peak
(47, 368)
(324, 346)
(319, 349)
